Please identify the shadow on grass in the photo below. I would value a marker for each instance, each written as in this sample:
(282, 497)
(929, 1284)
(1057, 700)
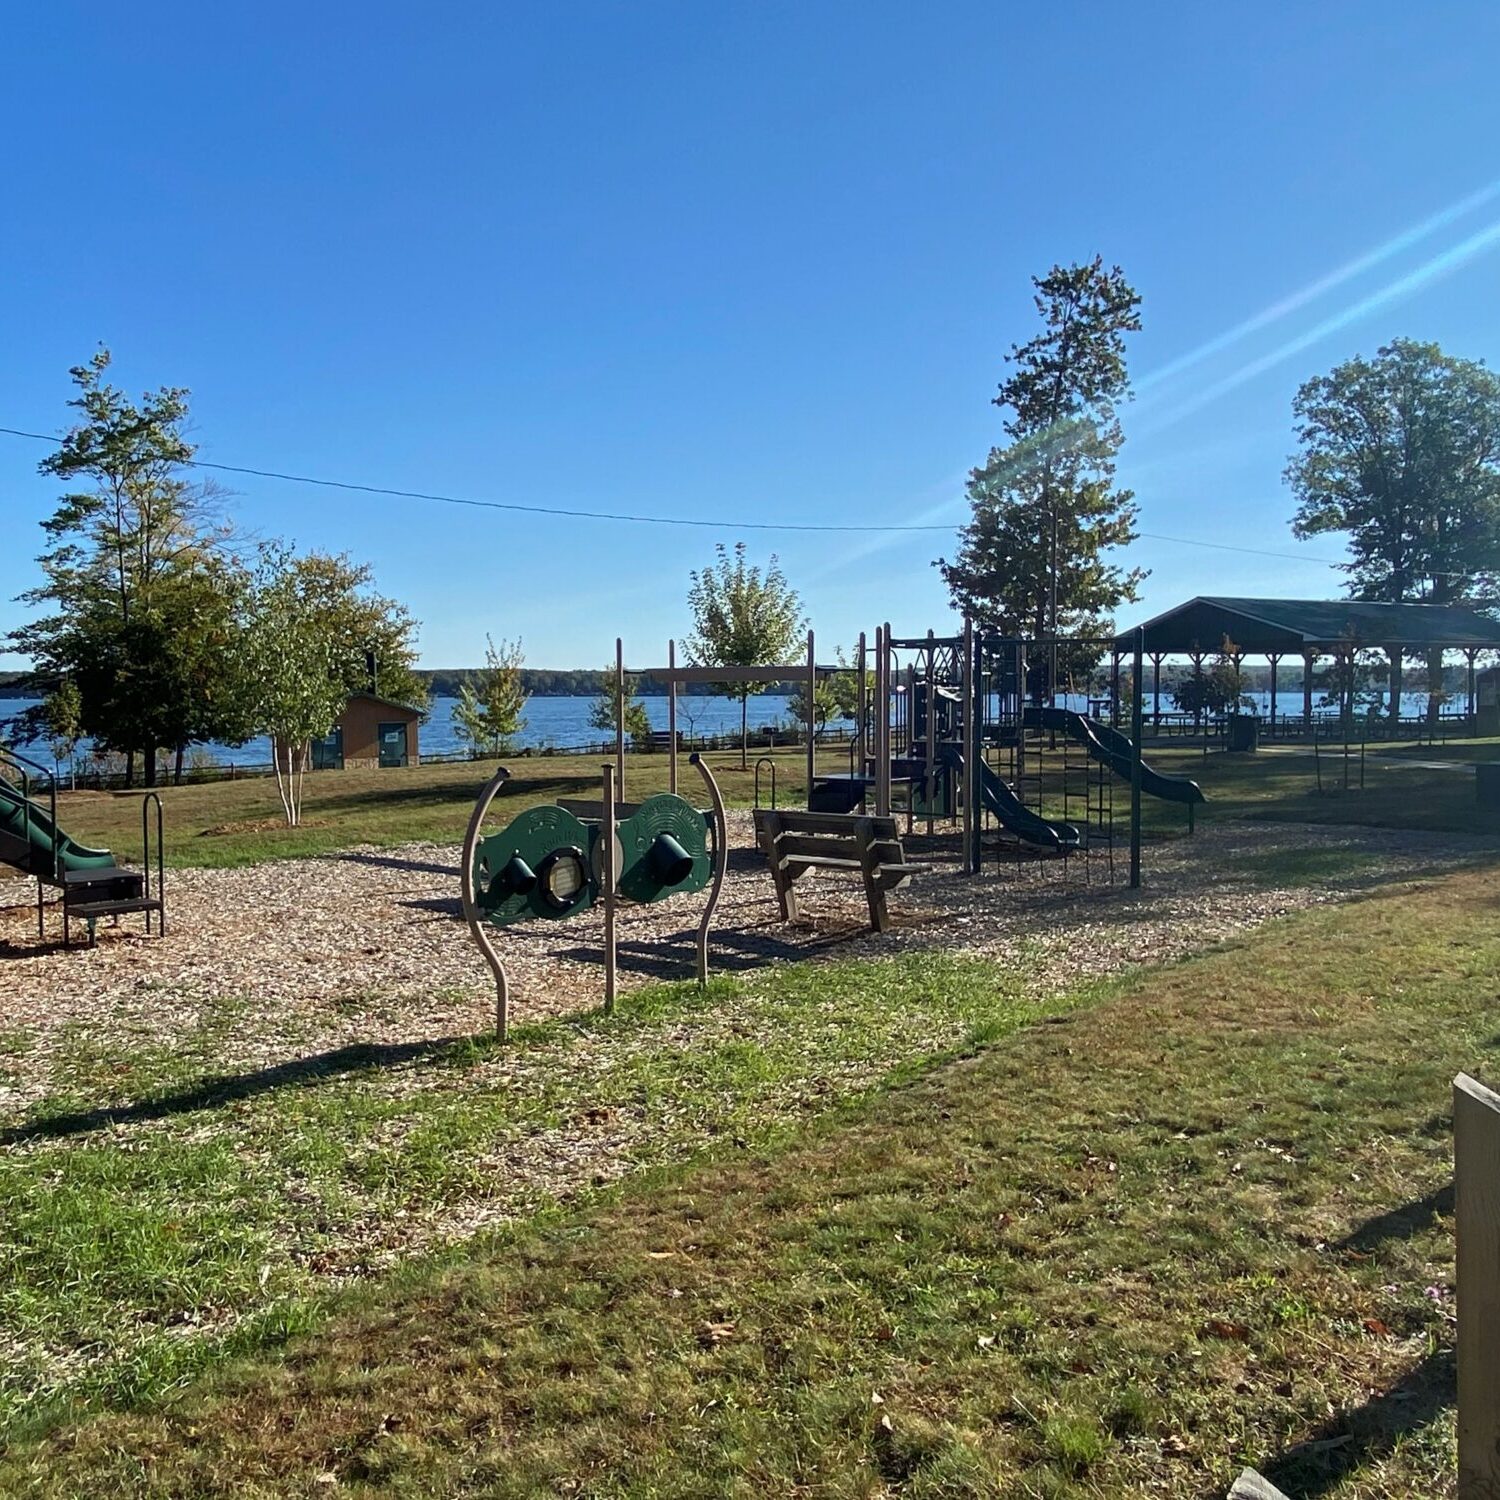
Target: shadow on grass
(1354, 1438)
(445, 794)
(1400, 1223)
(214, 1092)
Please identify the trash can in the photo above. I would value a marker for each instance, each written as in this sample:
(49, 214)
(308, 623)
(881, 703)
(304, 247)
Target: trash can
(1243, 732)
(1487, 793)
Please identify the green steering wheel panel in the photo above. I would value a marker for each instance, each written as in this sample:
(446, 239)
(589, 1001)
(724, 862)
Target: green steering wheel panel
(537, 843)
(656, 843)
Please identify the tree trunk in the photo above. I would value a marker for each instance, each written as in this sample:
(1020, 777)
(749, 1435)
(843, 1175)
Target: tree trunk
(744, 731)
(1434, 684)
(148, 771)
(177, 767)
(129, 769)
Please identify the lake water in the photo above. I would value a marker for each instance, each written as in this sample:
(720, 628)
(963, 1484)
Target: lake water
(559, 723)
(563, 723)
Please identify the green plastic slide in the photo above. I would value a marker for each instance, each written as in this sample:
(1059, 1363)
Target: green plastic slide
(1012, 813)
(1116, 750)
(31, 842)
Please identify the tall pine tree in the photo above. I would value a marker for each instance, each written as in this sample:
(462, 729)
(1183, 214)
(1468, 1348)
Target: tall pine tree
(1033, 560)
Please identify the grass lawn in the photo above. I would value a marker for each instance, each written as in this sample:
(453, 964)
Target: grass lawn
(239, 822)
(229, 823)
(1199, 1219)
(1405, 786)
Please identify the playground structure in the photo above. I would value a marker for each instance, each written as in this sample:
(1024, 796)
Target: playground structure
(948, 721)
(92, 883)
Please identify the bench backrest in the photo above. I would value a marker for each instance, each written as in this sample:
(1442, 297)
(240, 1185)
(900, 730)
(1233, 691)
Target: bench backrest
(794, 820)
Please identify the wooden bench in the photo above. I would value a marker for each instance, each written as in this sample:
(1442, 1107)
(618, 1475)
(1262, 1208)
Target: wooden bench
(796, 842)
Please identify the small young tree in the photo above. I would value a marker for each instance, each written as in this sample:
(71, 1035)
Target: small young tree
(605, 710)
(490, 707)
(826, 705)
(1219, 690)
(292, 672)
(63, 714)
(308, 626)
(742, 618)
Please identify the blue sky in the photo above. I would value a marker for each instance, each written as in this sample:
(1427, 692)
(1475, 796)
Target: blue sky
(756, 262)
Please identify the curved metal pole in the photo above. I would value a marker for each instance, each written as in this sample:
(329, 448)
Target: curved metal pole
(477, 926)
(721, 862)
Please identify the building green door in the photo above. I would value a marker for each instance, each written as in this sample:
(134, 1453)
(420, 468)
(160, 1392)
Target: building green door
(392, 738)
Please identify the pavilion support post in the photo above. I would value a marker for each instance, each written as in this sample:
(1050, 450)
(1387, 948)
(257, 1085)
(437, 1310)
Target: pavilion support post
(1472, 654)
(1308, 658)
(1197, 660)
(1274, 657)
(1394, 658)
(1156, 657)
(1114, 689)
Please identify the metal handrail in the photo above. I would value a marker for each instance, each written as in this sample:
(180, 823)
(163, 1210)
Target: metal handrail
(765, 760)
(161, 869)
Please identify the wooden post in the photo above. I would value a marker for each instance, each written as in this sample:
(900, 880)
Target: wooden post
(1156, 657)
(908, 747)
(1114, 689)
(607, 884)
(812, 717)
(1394, 653)
(1476, 1176)
(1274, 657)
(620, 715)
(672, 716)
(931, 747)
(971, 750)
(1308, 658)
(1472, 653)
(1136, 730)
(861, 716)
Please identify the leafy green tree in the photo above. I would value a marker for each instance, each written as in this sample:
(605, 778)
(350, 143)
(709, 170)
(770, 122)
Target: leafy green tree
(1034, 558)
(604, 713)
(1401, 454)
(742, 617)
(827, 704)
(127, 539)
(489, 713)
(309, 623)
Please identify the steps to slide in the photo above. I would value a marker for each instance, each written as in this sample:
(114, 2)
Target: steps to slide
(1114, 749)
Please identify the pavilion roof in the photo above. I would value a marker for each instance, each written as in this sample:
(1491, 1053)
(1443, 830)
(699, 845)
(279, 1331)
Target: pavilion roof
(1261, 626)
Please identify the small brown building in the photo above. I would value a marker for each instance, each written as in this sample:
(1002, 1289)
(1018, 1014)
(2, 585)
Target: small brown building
(371, 732)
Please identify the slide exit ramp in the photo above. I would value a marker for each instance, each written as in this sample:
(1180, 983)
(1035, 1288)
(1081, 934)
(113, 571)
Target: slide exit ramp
(1115, 750)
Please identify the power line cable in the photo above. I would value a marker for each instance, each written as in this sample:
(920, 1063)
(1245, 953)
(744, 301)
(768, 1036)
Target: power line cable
(649, 520)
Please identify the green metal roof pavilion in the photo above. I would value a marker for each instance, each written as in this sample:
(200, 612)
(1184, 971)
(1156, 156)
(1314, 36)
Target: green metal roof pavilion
(1277, 627)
